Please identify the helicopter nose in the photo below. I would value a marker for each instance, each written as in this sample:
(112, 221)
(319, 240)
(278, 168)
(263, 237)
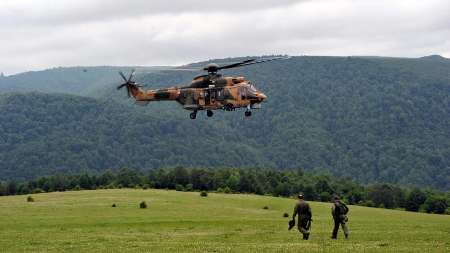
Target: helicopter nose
(262, 97)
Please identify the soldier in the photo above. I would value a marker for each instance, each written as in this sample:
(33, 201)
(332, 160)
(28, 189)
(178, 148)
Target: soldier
(339, 212)
(304, 216)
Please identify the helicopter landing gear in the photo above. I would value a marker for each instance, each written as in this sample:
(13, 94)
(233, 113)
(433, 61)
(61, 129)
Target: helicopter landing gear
(248, 113)
(193, 115)
(209, 113)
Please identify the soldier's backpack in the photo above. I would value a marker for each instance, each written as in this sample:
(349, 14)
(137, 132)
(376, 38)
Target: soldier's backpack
(341, 208)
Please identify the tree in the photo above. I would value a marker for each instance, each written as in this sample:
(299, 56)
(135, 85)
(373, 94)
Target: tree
(11, 188)
(309, 193)
(381, 195)
(2, 189)
(415, 199)
(181, 176)
(436, 204)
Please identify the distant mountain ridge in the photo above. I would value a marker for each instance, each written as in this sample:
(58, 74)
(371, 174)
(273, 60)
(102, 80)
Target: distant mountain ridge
(70, 80)
(372, 119)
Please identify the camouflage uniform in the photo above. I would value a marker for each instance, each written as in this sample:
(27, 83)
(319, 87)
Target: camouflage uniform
(304, 217)
(339, 212)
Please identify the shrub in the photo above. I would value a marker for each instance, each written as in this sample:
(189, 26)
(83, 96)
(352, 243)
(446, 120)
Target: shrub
(285, 215)
(203, 194)
(325, 196)
(37, 190)
(77, 188)
(189, 187)
(179, 187)
(143, 205)
(227, 189)
(30, 199)
(113, 205)
(145, 187)
(368, 203)
(265, 207)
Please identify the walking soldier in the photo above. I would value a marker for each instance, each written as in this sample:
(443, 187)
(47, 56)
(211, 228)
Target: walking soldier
(304, 216)
(339, 212)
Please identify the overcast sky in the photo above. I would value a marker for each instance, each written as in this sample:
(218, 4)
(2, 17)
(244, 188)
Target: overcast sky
(39, 34)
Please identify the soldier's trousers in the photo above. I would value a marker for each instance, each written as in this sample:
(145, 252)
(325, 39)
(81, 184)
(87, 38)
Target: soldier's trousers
(344, 226)
(303, 228)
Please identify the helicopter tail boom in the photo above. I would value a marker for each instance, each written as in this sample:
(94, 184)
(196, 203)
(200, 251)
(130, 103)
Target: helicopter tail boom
(157, 95)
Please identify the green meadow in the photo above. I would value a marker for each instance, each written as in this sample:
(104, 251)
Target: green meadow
(85, 221)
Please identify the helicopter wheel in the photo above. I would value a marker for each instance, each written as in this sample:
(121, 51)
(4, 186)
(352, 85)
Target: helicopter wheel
(193, 115)
(248, 113)
(209, 113)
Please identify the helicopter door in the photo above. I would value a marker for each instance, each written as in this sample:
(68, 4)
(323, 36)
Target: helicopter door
(201, 98)
(207, 97)
(213, 95)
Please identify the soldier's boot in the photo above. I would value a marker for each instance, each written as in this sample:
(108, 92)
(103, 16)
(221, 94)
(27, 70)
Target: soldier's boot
(334, 235)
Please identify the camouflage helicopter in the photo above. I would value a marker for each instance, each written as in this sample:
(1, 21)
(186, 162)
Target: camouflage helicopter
(207, 92)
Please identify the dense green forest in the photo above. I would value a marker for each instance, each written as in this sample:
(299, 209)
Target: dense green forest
(317, 187)
(370, 118)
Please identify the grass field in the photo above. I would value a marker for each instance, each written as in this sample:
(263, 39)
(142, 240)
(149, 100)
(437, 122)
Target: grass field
(84, 221)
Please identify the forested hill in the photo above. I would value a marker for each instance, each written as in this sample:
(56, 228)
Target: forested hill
(370, 118)
(71, 80)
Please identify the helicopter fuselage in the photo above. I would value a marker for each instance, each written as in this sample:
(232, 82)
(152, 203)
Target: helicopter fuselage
(207, 93)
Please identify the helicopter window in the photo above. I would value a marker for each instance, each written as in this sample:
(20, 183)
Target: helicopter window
(220, 94)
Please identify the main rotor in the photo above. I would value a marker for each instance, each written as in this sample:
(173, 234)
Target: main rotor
(213, 68)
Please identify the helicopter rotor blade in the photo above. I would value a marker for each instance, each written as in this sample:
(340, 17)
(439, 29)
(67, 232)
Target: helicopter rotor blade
(182, 69)
(121, 86)
(131, 75)
(238, 64)
(251, 62)
(123, 76)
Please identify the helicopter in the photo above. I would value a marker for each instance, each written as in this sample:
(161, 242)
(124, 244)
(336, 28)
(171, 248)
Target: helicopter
(208, 92)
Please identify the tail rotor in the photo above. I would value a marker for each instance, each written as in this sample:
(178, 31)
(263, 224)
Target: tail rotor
(129, 83)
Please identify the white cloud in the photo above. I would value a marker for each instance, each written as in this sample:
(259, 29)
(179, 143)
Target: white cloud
(40, 34)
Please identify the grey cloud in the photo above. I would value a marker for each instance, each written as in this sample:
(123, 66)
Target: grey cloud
(49, 12)
(182, 35)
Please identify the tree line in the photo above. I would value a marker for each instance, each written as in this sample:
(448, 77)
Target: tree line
(284, 183)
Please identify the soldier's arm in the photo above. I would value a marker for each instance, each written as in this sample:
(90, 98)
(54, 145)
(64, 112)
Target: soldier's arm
(295, 212)
(346, 208)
